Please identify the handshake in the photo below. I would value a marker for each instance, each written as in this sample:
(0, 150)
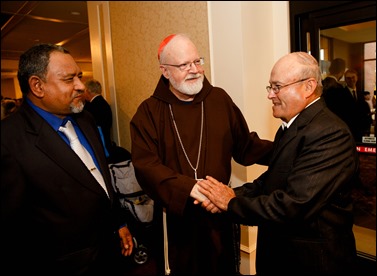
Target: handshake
(196, 194)
(213, 195)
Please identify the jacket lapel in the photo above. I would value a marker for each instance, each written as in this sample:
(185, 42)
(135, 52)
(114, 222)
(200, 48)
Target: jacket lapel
(51, 144)
(300, 122)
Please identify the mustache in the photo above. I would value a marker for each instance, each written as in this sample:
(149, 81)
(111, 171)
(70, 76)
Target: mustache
(193, 76)
(78, 93)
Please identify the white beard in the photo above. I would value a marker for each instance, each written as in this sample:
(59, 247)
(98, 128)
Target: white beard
(189, 89)
(77, 108)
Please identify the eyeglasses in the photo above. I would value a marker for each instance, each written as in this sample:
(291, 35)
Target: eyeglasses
(276, 89)
(187, 66)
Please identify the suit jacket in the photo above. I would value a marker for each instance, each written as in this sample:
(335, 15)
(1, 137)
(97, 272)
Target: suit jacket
(360, 113)
(355, 113)
(302, 204)
(101, 111)
(56, 218)
(337, 100)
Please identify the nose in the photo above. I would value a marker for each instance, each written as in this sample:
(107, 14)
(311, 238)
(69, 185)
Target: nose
(79, 85)
(195, 67)
(271, 94)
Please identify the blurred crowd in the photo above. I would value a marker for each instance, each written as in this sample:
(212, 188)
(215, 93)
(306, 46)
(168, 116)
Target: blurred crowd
(9, 105)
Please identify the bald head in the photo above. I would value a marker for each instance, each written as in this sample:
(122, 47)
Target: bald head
(295, 82)
(297, 65)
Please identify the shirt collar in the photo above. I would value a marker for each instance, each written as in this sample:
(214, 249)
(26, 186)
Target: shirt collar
(285, 125)
(54, 121)
(95, 97)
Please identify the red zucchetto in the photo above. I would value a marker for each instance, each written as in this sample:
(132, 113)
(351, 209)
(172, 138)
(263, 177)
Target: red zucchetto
(163, 44)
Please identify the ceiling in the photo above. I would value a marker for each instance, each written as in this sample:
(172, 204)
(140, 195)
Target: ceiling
(25, 23)
(355, 33)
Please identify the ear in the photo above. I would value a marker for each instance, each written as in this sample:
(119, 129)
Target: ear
(164, 71)
(310, 87)
(36, 86)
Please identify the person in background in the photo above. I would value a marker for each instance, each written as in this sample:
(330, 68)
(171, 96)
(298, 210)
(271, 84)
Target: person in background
(101, 110)
(18, 101)
(302, 204)
(333, 90)
(336, 72)
(186, 130)
(370, 100)
(356, 106)
(8, 107)
(56, 218)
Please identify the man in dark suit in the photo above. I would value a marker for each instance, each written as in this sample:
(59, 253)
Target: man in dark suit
(96, 104)
(355, 105)
(56, 218)
(333, 91)
(100, 109)
(336, 72)
(301, 204)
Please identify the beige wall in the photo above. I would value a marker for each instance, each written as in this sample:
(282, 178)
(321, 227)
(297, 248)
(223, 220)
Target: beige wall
(137, 28)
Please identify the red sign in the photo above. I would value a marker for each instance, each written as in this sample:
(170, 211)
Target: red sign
(366, 149)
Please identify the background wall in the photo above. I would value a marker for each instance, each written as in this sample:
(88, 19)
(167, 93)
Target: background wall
(10, 88)
(137, 28)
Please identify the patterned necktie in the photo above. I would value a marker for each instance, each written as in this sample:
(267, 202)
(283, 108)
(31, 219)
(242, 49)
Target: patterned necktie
(81, 151)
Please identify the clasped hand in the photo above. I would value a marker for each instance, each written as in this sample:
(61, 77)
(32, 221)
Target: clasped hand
(216, 195)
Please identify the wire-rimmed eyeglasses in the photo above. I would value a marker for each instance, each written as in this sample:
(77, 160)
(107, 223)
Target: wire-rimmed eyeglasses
(187, 66)
(276, 88)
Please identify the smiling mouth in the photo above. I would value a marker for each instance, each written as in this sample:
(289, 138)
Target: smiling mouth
(191, 78)
(79, 97)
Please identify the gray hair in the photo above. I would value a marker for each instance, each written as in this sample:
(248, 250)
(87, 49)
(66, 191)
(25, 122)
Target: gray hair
(310, 68)
(93, 86)
(34, 62)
